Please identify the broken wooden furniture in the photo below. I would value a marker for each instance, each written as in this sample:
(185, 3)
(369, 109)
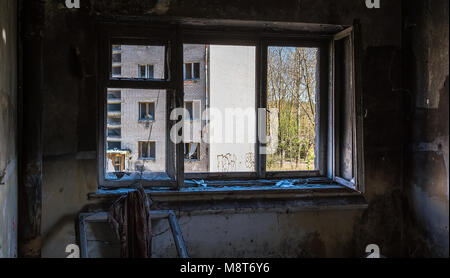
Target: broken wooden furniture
(155, 214)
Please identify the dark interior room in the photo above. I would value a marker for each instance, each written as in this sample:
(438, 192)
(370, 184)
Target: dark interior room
(224, 129)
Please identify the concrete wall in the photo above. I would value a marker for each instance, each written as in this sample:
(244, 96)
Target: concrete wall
(195, 90)
(8, 128)
(70, 130)
(428, 168)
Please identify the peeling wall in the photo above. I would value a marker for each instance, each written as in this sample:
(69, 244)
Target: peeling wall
(8, 128)
(69, 128)
(428, 169)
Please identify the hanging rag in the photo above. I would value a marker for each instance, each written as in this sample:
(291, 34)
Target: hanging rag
(130, 219)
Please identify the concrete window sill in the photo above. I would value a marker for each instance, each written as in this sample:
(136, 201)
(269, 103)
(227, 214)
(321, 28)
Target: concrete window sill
(244, 199)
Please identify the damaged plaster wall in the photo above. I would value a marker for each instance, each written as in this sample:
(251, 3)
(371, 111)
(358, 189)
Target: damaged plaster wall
(69, 122)
(8, 128)
(428, 170)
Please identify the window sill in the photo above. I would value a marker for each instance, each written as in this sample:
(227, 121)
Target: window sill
(249, 198)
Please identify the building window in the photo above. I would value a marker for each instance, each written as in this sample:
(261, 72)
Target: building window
(192, 110)
(114, 107)
(114, 121)
(289, 106)
(146, 111)
(146, 71)
(117, 57)
(116, 71)
(114, 95)
(192, 151)
(114, 145)
(114, 132)
(117, 160)
(191, 71)
(147, 150)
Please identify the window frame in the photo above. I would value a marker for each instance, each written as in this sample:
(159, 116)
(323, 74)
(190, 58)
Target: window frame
(147, 106)
(140, 144)
(147, 71)
(197, 151)
(192, 71)
(174, 36)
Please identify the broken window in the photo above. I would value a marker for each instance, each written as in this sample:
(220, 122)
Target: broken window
(263, 108)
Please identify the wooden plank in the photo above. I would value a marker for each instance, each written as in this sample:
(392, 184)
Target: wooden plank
(344, 33)
(82, 236)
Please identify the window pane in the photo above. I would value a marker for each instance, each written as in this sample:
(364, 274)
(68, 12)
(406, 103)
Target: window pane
(222, 135)
(188, 113)
(151, 73)
(152, 147)
(116, 71)
(113, 145)
(151, 111)
(142, 144)
(142, 111)
(140, 61)
(114, 133)
(292, 102)
(196, 70)
(188, 71)
(117, 57)
(114, 95)
(141, 71)
(114, 107)
(113, 121)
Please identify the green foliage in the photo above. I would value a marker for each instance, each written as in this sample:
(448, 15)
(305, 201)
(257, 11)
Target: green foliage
(291, 89)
